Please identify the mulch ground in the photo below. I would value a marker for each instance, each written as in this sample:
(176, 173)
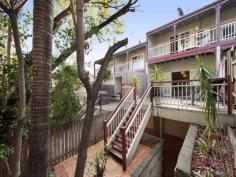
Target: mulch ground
(218, 160)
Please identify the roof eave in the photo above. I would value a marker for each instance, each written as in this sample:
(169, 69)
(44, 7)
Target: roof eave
(185, 17)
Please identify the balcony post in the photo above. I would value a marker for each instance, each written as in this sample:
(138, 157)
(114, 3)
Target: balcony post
(127, 56)
(229, 94)
(218, 37)
(217, 21)
(174, 37)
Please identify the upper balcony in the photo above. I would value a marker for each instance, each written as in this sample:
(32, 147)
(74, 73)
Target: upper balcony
(133, 65)
(187, 41)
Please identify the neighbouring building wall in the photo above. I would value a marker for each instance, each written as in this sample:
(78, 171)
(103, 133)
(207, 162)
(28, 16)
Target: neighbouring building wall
(117, 85)
(120, 58)
(143, 80)
(228, 15)
(141, 51)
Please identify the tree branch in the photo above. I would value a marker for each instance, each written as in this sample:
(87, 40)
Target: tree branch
(119, 13)
(94, 30)
(19, 8)
(107, 5)
(60, 16)
(4, 8)
(105, 62)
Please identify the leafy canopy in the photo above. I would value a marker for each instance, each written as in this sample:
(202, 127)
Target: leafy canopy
(65, 105)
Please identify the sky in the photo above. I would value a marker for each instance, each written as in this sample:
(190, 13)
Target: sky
(149, 15)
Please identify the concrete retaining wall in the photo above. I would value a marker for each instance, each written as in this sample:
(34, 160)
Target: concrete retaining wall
(232, 139)
(183, 165)
(152, 165)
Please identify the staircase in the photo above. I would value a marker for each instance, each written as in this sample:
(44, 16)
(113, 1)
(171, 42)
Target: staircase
(123, 132)
(116, 144)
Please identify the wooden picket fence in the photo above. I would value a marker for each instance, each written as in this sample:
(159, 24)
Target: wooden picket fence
(64, 140)
(3, 170)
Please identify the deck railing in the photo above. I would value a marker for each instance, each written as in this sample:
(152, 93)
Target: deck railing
(198, 39)
(118, 116)
(186, 94)
(228, 31)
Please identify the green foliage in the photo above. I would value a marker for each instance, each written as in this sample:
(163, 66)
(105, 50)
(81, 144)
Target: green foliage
(134, 80)
(207, 94)
(98, 165)
(96, 14)
(64, 37)
(64, 102)
(157, 74)
(203, 146)
(5, 152)
(51, 173)
(107, 75)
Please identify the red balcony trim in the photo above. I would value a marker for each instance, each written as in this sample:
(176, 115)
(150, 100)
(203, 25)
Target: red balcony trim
(211, 48)
(191, 52)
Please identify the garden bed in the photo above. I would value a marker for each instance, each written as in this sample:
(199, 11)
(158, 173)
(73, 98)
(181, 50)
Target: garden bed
(217, 160)
(197, 159)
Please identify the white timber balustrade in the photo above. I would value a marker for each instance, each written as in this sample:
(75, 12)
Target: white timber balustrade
(134, 128)
(197, 39)
(186, 94)
(118, 116)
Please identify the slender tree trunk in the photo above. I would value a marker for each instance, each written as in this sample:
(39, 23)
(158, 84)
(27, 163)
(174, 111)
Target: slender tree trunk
(9, 41)
(41, 58)
(85, 137)
(22, 98)
(92, 91)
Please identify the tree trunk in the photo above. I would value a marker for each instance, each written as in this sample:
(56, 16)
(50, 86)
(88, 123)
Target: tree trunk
(40, 107)
(92, 91)
(22, 98)
(85, 137)
(9, 41)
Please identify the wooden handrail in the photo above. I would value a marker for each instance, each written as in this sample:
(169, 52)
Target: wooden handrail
(120, 104)
(188, 80)
(129, 122)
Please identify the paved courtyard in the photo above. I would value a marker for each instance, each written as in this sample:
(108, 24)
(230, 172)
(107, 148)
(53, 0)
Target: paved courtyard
(113, 167)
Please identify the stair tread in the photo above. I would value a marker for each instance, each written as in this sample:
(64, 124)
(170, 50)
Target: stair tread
(116, 153)
(119, 139)
(118, 148)
(115, 142)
